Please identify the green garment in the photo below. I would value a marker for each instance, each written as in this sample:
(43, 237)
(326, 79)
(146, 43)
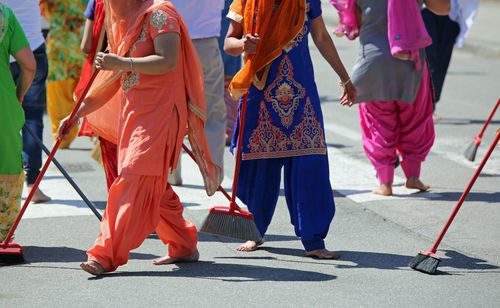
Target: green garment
(12, 39)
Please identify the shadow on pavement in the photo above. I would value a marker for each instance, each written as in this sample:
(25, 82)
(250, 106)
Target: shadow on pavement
(454, 121)
(453, 259)
(36, 254)
(202, 237)
(227, 272)
(472, 196)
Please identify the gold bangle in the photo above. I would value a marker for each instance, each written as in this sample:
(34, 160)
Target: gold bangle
(131, 64)
(343, 84)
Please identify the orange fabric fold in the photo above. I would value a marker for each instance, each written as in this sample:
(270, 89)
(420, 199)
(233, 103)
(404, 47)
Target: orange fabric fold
(123, 22)
(275, 27)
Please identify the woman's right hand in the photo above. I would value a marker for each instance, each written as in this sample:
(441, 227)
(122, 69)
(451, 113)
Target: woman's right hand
(61, 131)
(250, 43)
(349, 95)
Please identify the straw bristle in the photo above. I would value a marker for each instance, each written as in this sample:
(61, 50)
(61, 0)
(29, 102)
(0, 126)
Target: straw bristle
(424, 263)
(470, 153)
(231, 226)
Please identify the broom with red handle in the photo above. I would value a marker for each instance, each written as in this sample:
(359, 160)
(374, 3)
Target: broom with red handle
(12, 252)
(428, 261)
(232, 221)
(470, 152)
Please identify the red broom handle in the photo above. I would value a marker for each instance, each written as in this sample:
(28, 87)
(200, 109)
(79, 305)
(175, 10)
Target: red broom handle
(480, 135)
(47, 162)
(222, 190)
(239, 154)
(464, 195)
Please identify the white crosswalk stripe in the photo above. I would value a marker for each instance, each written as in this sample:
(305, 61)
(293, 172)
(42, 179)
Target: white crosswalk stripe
(351, 177)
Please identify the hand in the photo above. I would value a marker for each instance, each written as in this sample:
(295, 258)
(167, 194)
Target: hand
(109, 61)
(348, 95)
(61, 132)
(250, 43)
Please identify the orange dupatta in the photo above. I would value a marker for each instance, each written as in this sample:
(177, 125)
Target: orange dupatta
(123, 22)
(275, 29)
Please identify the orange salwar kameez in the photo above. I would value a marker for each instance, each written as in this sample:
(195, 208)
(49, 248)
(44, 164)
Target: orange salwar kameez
(147, 117)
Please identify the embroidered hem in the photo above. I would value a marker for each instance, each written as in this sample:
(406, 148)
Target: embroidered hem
(281, 154)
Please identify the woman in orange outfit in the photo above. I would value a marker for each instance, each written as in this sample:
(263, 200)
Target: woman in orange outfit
(151, 86)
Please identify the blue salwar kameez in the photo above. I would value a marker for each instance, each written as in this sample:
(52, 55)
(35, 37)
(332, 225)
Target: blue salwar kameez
(284, 129)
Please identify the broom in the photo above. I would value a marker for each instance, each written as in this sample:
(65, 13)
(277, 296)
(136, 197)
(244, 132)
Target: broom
(232, 221)
(428, 261)
(66, 175)
(470, 152)
(12, 252)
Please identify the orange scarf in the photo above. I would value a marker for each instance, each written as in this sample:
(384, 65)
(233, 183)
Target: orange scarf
(275, 27)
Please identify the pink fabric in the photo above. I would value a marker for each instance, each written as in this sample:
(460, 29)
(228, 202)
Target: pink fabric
(394, 126)
(348, 24)
(406, 29)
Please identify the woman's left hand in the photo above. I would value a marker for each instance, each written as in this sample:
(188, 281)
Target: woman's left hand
(348, 95)
(109, 62)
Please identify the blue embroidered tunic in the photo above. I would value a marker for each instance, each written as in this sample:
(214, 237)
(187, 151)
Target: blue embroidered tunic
(284, 119)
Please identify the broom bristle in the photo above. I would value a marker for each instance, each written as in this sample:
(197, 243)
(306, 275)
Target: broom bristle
(231, 226)
(11, 259)
(470, 153)
(424, 263)
(11, 253)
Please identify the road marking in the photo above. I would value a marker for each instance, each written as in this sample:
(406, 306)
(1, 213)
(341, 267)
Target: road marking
(343, 131)
(65, 201)
(355, 180)
(350, 177)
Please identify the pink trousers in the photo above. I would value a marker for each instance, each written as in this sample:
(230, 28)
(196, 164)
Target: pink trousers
(392, 127)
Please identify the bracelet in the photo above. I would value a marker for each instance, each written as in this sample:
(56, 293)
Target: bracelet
(131, 64)
(343, 84)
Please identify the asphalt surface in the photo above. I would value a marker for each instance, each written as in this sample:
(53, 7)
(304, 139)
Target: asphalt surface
(375, 236)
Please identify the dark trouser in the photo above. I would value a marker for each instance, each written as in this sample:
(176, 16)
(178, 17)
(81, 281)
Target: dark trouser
(308, 194)
(34, 106)
(443, 32)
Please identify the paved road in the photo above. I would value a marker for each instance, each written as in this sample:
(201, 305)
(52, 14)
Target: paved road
(376, 236)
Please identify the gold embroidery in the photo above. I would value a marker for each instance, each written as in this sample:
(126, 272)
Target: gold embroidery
(267, 138)
(158, 19)
(308, 134)
(285, 93)
(130, 80)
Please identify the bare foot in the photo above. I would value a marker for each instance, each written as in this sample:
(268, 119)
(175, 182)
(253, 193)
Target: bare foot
(250, 245)
(169, 260)
(322, 254)
(38, 196)
(435, 117)
(92, 267)
(383, 189)
(414, 182)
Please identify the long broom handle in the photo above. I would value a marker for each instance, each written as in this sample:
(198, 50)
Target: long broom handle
(239, 154)
(480, 135)
(66, 175)
(47, 162)
(222, 190)
(464, 195)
